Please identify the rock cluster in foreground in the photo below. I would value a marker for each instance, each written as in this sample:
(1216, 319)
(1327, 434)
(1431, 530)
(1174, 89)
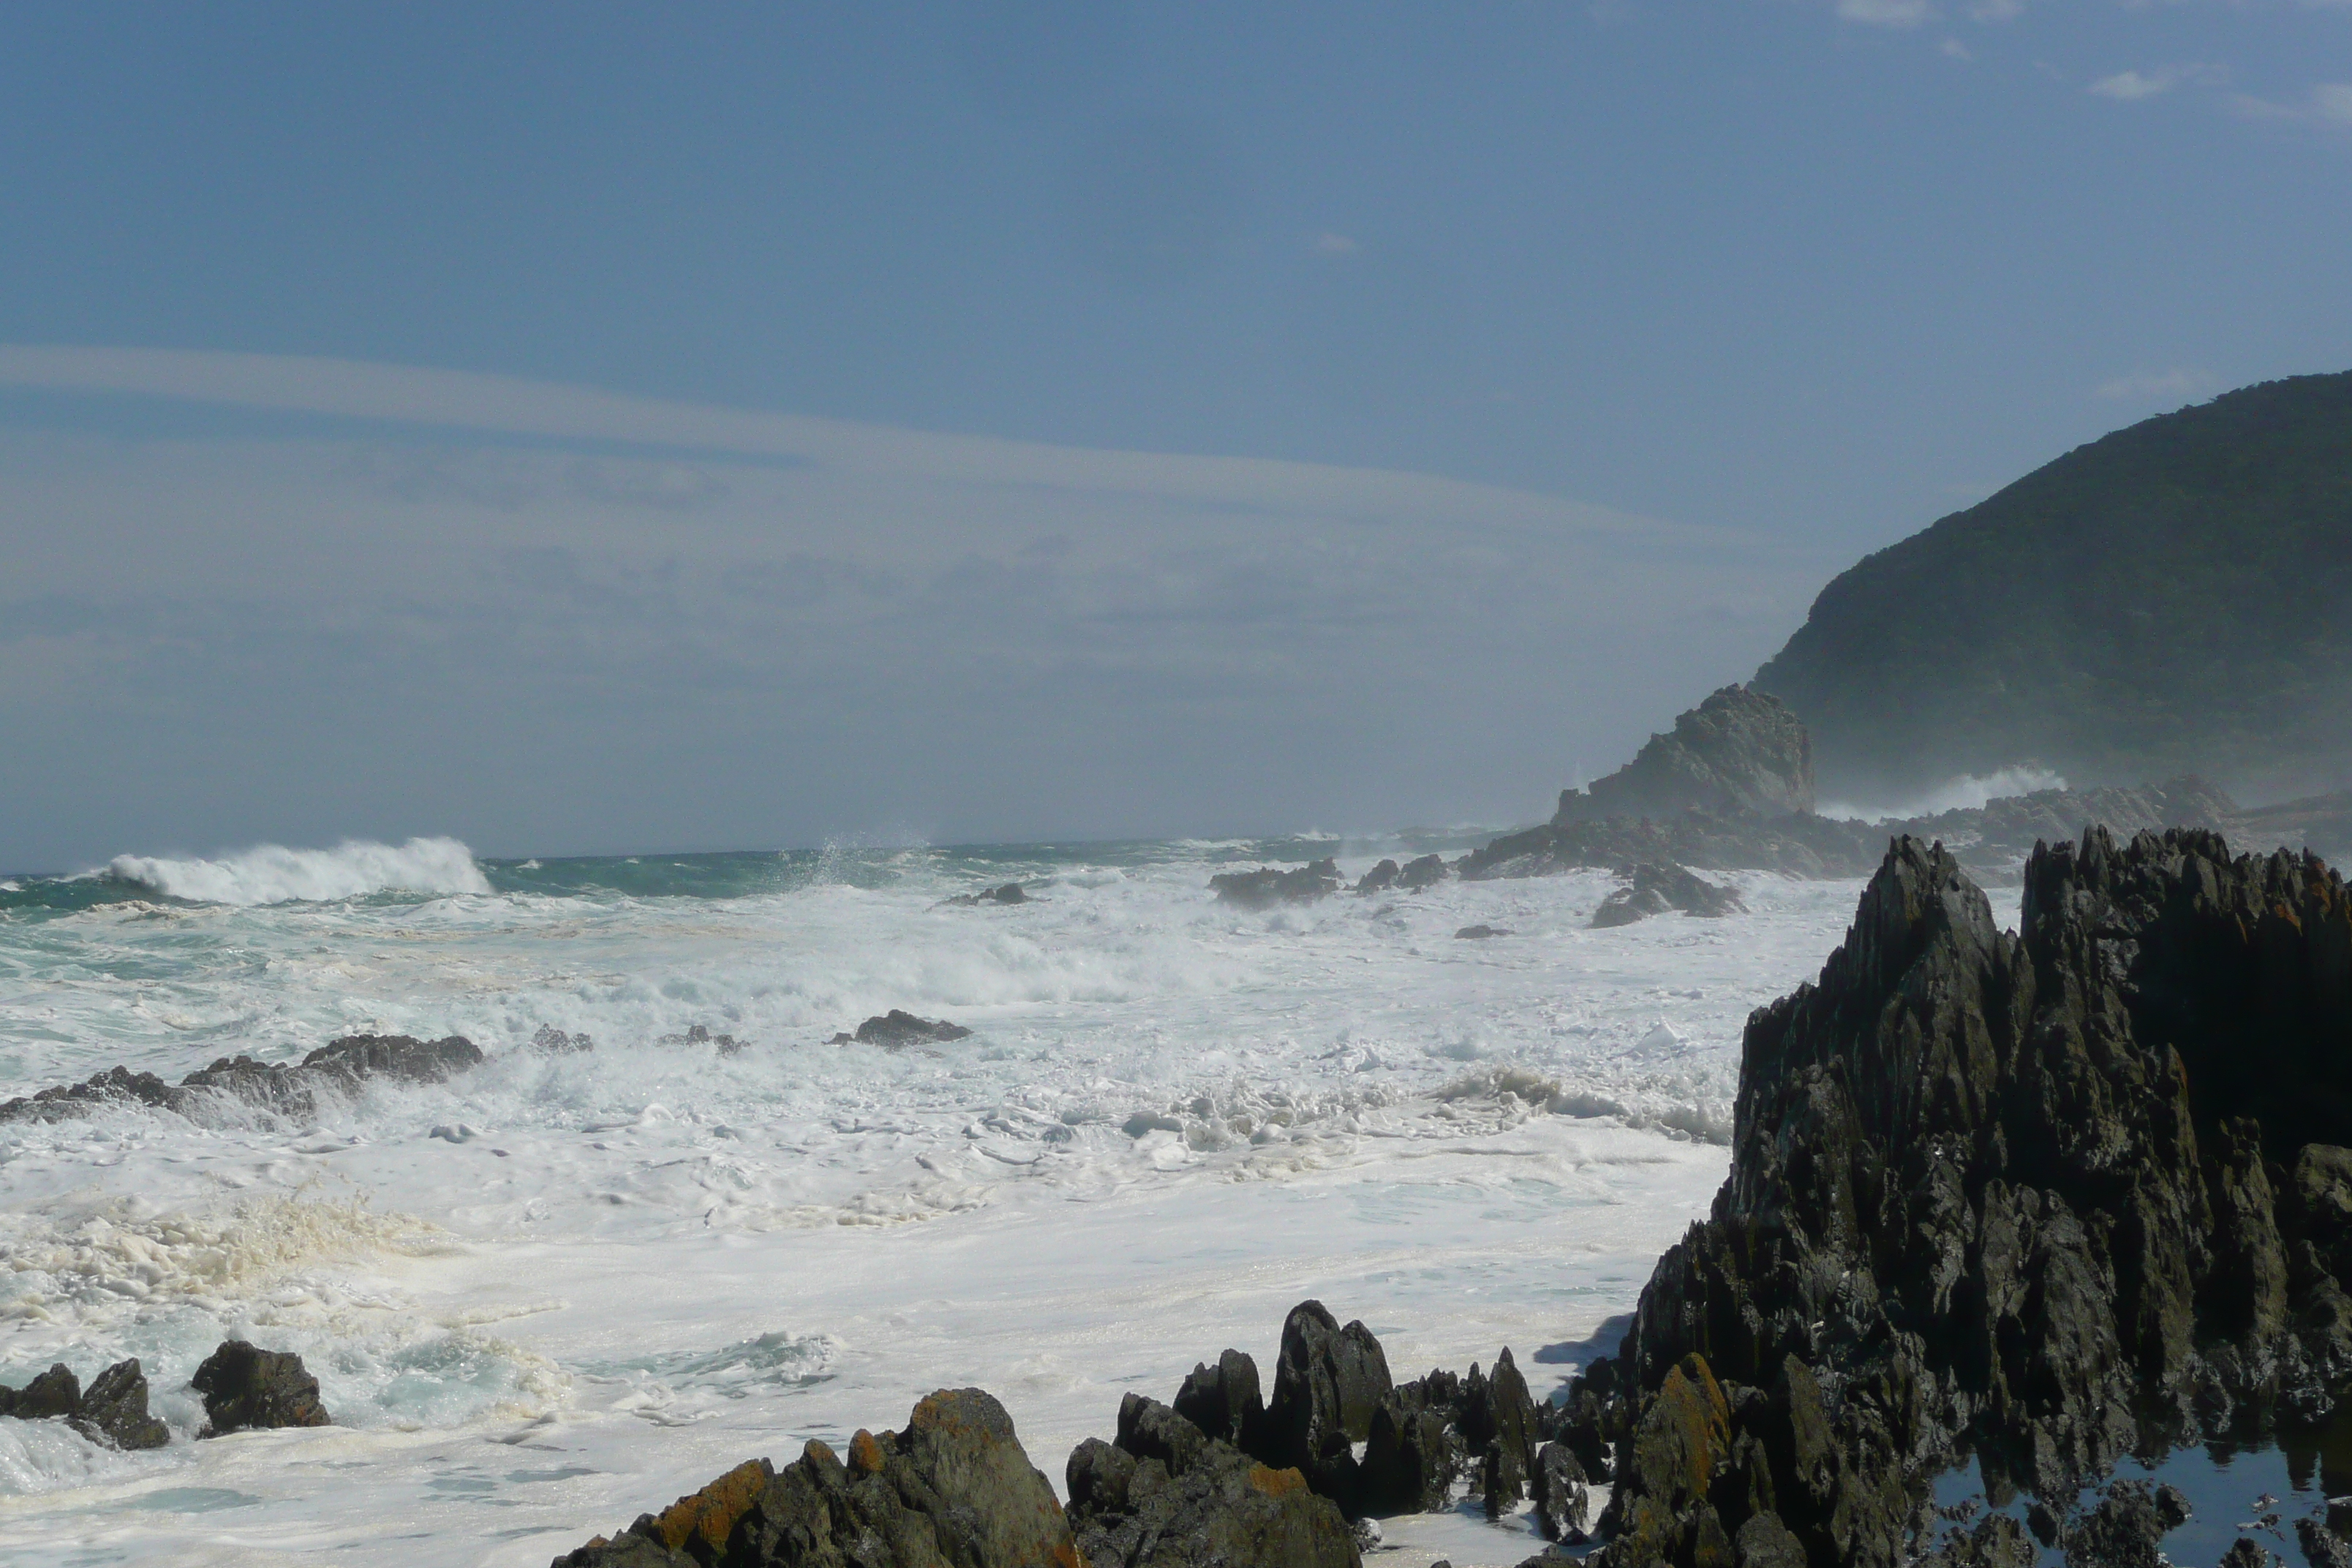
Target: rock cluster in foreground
(1230, 1475)
(2048, 1198)
(338, 1068)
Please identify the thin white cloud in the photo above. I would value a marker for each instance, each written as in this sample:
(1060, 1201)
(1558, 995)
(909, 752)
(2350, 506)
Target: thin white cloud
(2132, 86)
(1336, 245)
(1887, 13)
(1996, 10)
(2327, 106)
(2171, 384)
(509, 405)
(1952, 48)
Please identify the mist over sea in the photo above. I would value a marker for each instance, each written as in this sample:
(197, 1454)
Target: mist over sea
(573, 1281)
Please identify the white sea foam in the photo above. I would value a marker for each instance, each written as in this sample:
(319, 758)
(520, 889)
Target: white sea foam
(571, 1285)
(1968, 792)
(272, 874)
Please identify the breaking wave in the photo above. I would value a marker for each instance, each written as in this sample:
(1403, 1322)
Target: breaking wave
(272, 874)
(1969, 792)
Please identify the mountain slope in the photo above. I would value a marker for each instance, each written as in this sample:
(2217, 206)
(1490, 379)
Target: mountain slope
(2174, 597)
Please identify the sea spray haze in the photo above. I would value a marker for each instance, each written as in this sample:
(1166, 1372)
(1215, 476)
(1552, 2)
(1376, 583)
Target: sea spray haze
(575, 1279)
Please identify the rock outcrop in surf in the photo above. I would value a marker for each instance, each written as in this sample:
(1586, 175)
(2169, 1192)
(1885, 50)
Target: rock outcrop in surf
(113, 1410)
(2048, 1198)
(1739, 751)
(1652, 890)
(339, 1068)
(1271, 884)
(245, 1387)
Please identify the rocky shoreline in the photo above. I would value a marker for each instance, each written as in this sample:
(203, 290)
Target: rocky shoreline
(2038, 1201)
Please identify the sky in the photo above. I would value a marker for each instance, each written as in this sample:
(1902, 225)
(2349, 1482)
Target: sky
(600, 428)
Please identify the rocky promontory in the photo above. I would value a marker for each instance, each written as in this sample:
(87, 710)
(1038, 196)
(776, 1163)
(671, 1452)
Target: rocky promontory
(2045, 1198)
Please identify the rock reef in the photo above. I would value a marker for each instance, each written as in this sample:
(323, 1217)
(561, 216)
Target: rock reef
(339, 1068)
(113, 1410)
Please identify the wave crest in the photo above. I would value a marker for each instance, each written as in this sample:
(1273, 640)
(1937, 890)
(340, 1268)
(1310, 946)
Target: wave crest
(272, 874)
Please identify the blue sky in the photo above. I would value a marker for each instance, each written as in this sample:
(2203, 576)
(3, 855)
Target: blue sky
(1779, 282)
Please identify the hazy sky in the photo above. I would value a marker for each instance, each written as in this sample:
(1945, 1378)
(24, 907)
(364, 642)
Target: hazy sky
(587, 426)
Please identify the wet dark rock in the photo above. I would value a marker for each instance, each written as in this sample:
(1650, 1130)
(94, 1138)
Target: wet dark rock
(902, 1028)
(1740, 750)
(1424, 871)
(1224, 1401)
(55, 1394)
(1379, 878)
(1504, 1424)
(2322, 1547)
(1562, 1498)
(2122, 1532)
(114, 1409)
(1479, 933)
(954, 1489)
(1996, 1541)
(245, 1388)
(1168, 1496)
(1271, 884)
(1326, 1386)
(1410, 1456)
(2045, 1198)
(1659, 889)
(1009, 893)
(340, 1068)
(551, 1039)
(2245, 1554)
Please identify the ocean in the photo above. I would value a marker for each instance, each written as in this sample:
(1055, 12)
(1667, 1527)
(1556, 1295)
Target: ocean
(572, 1284)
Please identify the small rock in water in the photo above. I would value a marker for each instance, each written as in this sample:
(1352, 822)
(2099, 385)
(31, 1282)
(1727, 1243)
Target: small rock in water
(57, 1392)
(244, 1386)
(1270, 885)
(1379, 878)
(1009, 893)
(902, 1028)
(551, 1039)
(1655, 889)
(1478, 933)
(460, 1133)
(113, 1410)
(2245, 1554)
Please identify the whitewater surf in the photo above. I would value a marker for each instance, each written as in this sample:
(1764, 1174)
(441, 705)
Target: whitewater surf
(666, 1224)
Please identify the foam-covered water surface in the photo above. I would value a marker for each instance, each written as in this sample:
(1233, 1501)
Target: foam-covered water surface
(572, 1284)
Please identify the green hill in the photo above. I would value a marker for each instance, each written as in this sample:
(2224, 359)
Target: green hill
(2175, 597)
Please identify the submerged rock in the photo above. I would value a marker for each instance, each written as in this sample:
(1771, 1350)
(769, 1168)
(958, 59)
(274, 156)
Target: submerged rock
(902, 1028)
(1009, 893)
(954, 1489)
(1271, 884)
(244, 1386)
(1479, 933)
(1658, 890)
